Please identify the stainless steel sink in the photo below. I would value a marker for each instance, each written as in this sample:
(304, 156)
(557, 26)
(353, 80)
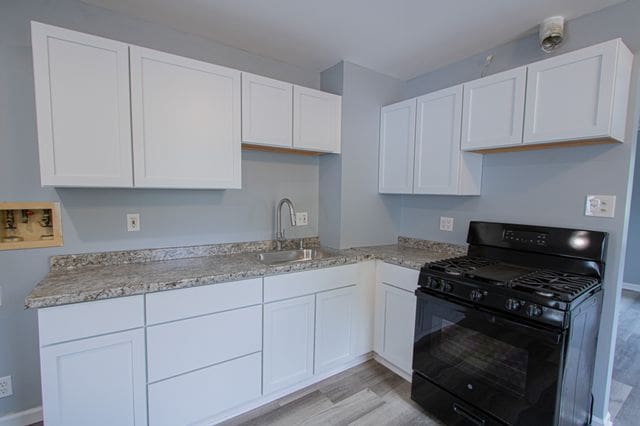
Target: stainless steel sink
(284, 256)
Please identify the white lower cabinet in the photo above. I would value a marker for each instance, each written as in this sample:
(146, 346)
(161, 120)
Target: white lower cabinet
(203, 394)
(395, 315)
(95, 381)
(334, 320)
(288, 342)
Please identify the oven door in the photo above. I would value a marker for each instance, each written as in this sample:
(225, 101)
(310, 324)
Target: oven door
(498, 365)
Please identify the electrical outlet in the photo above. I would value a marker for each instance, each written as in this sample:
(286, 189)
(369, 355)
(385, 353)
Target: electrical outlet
(302, 218)
(446, 223)
(6, 389)
(600, 205)
(133, 222)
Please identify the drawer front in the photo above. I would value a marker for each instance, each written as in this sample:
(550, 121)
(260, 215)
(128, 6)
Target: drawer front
(308, 282)
(80, 320)
(190, 302)
(397, 276)
(205, 393)
(182, 346)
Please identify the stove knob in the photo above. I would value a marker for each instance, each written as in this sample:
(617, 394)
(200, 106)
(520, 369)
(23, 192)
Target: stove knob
(434, 283)
(534, 311)
(446, 287)
(512, 305)
(476, 295)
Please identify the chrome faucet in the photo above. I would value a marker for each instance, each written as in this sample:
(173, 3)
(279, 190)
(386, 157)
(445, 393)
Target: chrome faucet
(292, 217)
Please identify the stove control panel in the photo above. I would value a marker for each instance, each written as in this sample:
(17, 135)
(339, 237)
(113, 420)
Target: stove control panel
(526, 237)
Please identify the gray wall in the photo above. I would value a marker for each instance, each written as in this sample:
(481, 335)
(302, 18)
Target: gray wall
(544, 187)
(352, 213)
(632, 264)
(94, 220)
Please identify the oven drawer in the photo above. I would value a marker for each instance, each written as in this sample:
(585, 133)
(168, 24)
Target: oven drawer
(446, 407)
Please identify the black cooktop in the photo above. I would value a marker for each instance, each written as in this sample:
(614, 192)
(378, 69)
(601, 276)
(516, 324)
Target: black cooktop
(546, 283)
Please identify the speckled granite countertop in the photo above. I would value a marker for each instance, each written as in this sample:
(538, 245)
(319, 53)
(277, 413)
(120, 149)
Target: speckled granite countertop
(95, 276)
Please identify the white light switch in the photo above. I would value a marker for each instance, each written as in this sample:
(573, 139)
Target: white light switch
(133, 222)
(600, 205)
(302, 218)
(446, 223)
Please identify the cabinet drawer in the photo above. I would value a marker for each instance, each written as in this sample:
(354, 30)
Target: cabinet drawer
(205, 393)
(190, 302)
(300, 283)
(177, 347)
(80, 320)
(397, 276)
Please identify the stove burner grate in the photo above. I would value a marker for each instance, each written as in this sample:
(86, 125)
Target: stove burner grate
(554, 284)
(460, 265)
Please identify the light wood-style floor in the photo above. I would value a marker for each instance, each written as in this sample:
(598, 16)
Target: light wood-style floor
(624, 403)
(368, 394)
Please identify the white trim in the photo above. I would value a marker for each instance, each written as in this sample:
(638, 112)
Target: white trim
(392, 367)
(23, 418)
(282, 393)
(631, 286)
(597, 421)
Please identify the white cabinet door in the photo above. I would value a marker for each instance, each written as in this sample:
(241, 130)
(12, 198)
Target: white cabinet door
(397, 137)
(395, 324)
(199, 397)
(437, 147)
(493, 110)
(334, 316)
(579, 95)
(95, 381)
(186, 122)
(267, 111)
(288, 342)
(83, 109)
(317, 118)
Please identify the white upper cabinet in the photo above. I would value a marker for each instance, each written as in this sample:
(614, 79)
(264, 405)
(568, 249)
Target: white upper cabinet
(82, 106)
(186, 122)
(440, 166)
(317, 118)
(397, 137)
(493, 110)
(267, 111)
(581, 95)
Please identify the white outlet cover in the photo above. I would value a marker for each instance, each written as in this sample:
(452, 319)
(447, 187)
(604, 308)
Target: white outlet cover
(600, 206)
(302, 218)
(446, 223)
(6, 389)
(133, 222)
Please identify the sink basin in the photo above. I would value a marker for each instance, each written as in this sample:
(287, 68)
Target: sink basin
(285, 256)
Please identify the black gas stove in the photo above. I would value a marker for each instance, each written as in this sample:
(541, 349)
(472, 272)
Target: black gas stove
(507, 333)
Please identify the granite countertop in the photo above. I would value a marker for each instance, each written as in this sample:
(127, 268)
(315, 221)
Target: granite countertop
(95, 276)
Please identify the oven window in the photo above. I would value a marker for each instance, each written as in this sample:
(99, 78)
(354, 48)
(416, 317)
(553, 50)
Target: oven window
(479, 355)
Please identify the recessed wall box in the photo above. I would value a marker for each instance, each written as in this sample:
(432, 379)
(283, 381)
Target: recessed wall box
(26, 225)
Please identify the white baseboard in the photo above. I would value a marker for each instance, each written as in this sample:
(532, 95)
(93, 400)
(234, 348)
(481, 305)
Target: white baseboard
(630, 286)
(392, 367)
(279, 394)
(23, 418)
(597, 421)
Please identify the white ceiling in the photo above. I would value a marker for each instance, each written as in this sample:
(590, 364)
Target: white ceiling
(401, 38)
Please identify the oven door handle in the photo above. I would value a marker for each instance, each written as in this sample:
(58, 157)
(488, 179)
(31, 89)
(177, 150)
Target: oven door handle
(554, 336)
(467, 415)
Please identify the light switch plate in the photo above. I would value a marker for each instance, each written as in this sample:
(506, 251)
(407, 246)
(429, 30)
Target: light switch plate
(133, 222)
(600, 205)
(302, 218)
(446, 223)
